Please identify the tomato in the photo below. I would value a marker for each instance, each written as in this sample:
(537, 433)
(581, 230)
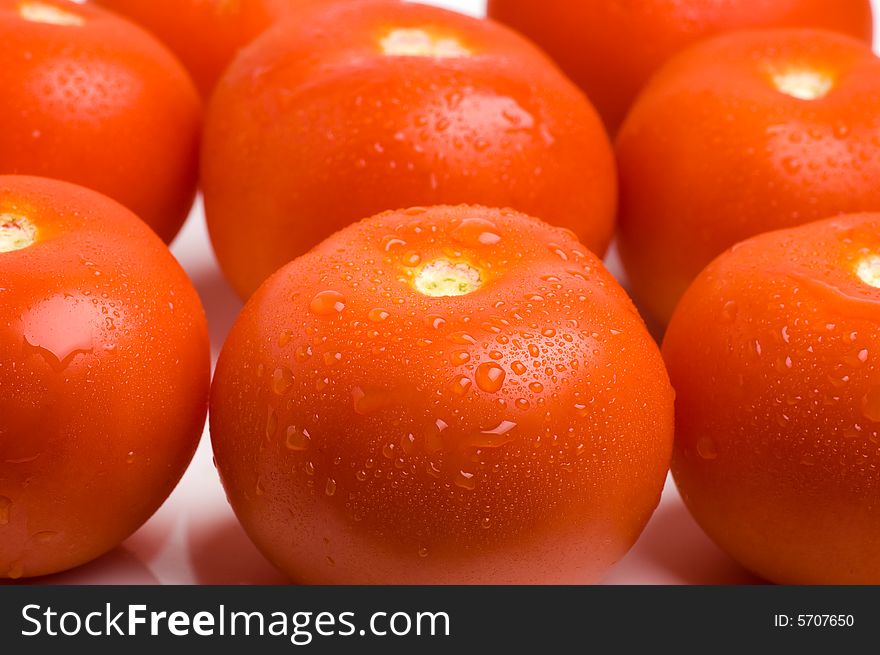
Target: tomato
(205, 34)
(92, 99)
(445, 395)
(356, 109)
(774, 353)
(104, 374)
(611, 49)
(744, 134)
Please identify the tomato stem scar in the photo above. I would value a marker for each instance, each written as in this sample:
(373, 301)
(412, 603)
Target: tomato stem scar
(16, 232)
(868, 270)
(803, 84)
(41, 12)
(419, 43)
(442, 278)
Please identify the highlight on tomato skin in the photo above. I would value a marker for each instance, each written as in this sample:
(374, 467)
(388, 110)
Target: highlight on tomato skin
(745, 133)
(773, 353)
(93, 99)
(611, 49)
(354, 108)
(104, 372)
(207, 34)
(445, 395)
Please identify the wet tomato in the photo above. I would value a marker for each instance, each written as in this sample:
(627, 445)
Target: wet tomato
(206, 34)
(104, 374)
(744, 134)
(611, 49)
(93, 99)
(445, 395)
(361, 108)
(774, 354)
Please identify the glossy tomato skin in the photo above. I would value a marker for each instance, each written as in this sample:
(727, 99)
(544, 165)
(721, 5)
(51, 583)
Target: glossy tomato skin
(611, 49)
(206, 34)
(93, 99)
(104, 372)
(714, 153)
(315, 127)
(773, 353)
(367, 433)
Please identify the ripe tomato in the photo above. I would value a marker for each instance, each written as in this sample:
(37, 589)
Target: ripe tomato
(104, 373)
(774, 353)
(445, 395)
(611, 49)
(743, 134)
(356, 109)
(92, 99)
(205, 34)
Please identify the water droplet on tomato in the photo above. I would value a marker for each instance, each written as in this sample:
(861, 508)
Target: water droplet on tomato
(707, 449)
(271, 424)
(298, 440)
(729, 311)
(490, 377)
(871, 405)
(330, 487)
(282, 380)
(378, 315)
(434, 438)
(284, 338)
(465, 480)
(461, 385)
(475, 232)
(327, 303)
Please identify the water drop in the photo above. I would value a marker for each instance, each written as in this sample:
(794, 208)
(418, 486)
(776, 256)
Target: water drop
(475, 232)
(378, 315)
(707, 449)
(282, 380)
(461, 385)
(490, 377)
(327, 303)
(465, 480)
(871, 405)
(298, 440)
(330, 487)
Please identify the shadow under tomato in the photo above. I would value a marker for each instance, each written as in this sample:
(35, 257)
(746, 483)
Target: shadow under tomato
(221, 303)
(674, 545)
(222, 554)
(118, 567)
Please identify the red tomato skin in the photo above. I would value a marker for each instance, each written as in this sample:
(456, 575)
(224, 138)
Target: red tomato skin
(313, 128)
(611, 49)
(101, 104)
(366, 433)
(206, 35)
(773, 353)
(713, 153)
(104, 376)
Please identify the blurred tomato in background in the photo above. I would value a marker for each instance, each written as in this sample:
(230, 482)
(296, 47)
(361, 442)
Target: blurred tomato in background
(354, 108)
(93, 99)
(610, 48)
(745, 133)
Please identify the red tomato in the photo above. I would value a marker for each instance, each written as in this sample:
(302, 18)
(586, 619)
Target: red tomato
(611, 48)
(92, 99)
(355, 109)
(743, 134)
(104, 372)
(446, 395)
(206, 34)
(774, 354)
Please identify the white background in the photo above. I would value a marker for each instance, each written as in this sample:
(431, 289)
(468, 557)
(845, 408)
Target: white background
(195, 539)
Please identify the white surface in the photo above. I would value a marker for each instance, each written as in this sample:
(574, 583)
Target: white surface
(195, 539)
